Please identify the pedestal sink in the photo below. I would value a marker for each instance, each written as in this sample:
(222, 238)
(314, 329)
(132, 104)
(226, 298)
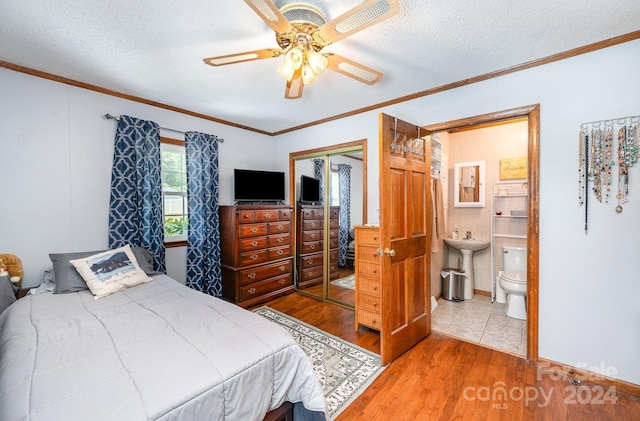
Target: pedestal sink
(467, 247)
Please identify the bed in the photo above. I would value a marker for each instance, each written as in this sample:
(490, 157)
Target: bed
(158, 350)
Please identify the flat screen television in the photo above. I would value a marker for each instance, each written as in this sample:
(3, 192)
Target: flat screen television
(258, 186)
(309, 190)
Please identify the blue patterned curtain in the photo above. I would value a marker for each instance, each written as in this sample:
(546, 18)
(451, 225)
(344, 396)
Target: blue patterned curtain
(135, 208)
(344, 178)
(319, 174)
(204, 272)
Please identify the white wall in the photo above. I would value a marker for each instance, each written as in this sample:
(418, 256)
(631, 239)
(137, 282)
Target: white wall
(589, 283)
(56, 152)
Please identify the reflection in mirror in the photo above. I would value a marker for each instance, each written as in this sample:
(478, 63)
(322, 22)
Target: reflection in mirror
(468, 184)
(325, 244)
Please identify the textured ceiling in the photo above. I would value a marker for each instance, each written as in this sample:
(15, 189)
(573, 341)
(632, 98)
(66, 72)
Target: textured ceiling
(154, 49)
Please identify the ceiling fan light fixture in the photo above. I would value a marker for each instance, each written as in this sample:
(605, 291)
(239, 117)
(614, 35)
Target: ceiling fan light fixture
(292, 62)
(308, 75)
(317, 61)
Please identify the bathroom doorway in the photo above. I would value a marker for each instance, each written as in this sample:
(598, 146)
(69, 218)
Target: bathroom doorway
(481, 305)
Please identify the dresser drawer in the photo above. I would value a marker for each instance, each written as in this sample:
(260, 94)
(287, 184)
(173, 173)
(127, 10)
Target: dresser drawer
(311, 273)
(312, 235)
(368, 237)
(368, 253)
(311, 260)
(333, 256)
(246, 217)
(278, 240)
(333, 233)
(369, 302)
(318, 213)
(366, 268)
(281, 252)
(257, 289)
(251, 230)
(334, 213)
(311, 247)
(333, 223)
(279, 227)
(370, 319)
(334, 273)
(248, 276)
(246, 244)
(333, 243)
(267, 215)
(285, 215)
(312, 225)
(253, 257)
(368, 285)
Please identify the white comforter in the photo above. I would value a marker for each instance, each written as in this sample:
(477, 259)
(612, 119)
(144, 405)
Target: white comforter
(156, 351)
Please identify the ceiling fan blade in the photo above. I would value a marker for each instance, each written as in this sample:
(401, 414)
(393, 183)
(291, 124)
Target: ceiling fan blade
(354, 70)
(294, 86)
(240, 57)
(360, 17)
(269, 13)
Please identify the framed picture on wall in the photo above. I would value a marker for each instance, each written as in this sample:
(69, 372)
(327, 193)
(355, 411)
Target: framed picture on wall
(511, 168)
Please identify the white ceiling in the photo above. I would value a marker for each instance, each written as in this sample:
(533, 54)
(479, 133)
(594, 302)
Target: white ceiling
(153, 49)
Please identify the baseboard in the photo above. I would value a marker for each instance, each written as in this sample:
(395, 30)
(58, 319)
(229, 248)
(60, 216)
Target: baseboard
(570, 373)
(482, 292)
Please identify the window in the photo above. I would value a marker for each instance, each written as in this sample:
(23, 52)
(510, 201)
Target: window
(335, 188)
(173, 170)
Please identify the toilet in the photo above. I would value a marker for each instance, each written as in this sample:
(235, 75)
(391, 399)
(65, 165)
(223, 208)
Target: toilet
(512, 282)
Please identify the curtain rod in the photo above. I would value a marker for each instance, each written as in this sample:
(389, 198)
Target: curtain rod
(113, 117)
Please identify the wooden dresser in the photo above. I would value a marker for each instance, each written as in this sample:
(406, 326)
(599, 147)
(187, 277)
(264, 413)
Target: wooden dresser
(256, 248)
(368, 277)
(309, 242)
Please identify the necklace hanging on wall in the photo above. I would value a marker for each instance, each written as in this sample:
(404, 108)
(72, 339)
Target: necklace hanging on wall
(597, 159)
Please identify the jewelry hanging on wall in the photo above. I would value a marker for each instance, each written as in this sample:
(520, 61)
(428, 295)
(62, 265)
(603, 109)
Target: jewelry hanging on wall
(596, 149)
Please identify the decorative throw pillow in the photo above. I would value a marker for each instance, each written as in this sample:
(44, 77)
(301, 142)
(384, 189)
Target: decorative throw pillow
(110, 271)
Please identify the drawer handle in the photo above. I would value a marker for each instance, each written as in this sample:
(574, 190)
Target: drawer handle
(313, 235)
(312, 246)
(279, 227)
(310, 261)
(375, 288)
(279, 251)
(309, 274)
(375, 271)
(375, 237)
(252, 275)
(283, 268)
(246, 216)
(333, 267)
(375, 304)
(254, 229)
(251, 291)
(313, 225)
(254, 257)
(281, 282)
(280, 240)
(267, 215)
(254, 243)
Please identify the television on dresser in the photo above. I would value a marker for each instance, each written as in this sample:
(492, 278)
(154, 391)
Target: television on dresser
(254, 186)
(309, 190)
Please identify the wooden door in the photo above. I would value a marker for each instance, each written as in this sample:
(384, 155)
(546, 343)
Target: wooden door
(405, 232)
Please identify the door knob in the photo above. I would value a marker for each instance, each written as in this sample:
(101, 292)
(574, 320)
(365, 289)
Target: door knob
(390, 253)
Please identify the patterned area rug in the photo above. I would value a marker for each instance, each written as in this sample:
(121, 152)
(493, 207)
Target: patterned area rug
(344, 370)
(348, 282)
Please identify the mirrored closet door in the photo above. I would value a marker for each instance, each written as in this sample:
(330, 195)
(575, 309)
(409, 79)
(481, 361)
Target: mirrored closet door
(328, 189)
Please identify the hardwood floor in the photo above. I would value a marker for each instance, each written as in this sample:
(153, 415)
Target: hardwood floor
(443, 378)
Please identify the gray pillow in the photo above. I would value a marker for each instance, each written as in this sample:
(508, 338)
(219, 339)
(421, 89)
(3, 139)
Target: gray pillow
(69, 280)
(67, 277)
(7, 296)
(145, 260)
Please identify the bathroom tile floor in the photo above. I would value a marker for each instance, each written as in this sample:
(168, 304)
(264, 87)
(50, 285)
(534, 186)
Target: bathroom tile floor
(480, 321)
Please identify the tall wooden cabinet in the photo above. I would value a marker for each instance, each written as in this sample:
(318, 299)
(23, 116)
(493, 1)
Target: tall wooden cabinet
(256, 248)
(368, 277)
(309, 243)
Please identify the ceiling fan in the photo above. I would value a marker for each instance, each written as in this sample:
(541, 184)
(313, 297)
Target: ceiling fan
(302, 31)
